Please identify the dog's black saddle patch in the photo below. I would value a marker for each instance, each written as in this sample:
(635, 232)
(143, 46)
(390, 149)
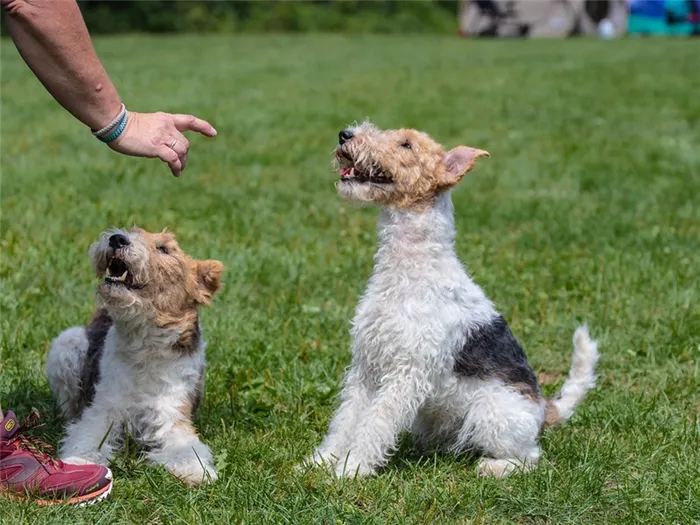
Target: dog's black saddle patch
(492, 352)
(96, 334)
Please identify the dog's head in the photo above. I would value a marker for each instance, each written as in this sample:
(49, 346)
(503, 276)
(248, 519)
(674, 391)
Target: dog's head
(401, 168)
(147, 275)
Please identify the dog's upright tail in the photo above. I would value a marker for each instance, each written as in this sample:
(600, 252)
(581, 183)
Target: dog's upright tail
(581, 379)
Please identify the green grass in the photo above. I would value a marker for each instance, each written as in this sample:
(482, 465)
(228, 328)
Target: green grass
(587, 210)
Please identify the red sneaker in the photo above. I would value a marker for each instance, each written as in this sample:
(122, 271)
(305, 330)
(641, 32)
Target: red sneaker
(27, 473)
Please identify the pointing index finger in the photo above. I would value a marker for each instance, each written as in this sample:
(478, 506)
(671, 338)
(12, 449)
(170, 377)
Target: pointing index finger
(192, 123)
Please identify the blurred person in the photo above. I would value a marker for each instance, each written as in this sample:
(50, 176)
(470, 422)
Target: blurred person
(53, 40)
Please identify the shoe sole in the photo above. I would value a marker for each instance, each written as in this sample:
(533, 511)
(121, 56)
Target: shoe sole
(79, 501)
(92, 498)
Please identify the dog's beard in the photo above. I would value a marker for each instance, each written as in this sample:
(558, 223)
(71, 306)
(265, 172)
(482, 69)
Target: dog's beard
(120, 302)
(362, 178)
(365, 192)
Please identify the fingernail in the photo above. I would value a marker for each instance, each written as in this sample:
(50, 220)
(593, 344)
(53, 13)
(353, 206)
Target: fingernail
(213, 131)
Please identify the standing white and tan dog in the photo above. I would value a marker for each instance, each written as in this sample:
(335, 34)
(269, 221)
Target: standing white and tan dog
(430, 353)
(139, 365)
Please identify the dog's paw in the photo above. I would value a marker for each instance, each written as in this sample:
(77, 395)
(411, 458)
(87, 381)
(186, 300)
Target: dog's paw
(84, 459)
(499, 468)
(352, 468)
(75, 460)
(194, 474)
(319, 458)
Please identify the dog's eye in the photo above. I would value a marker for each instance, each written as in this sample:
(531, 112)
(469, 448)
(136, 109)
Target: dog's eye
(163, 249)
(406, 145)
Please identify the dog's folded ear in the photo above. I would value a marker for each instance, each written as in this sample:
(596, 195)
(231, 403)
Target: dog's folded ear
(208, 280)
(458, 162)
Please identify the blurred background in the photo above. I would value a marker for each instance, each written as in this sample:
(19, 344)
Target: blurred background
(480, 18)
(587, 210)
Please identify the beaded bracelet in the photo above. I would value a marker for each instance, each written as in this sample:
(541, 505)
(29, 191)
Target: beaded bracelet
(117, 130)
(109, 127)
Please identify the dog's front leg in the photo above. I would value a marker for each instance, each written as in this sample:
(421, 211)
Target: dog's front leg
(182, 454)
(91, 438)
(355, 399)
(392, 410)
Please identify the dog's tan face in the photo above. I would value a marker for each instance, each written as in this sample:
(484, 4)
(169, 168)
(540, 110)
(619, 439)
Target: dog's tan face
(401, 168)
(148, 274)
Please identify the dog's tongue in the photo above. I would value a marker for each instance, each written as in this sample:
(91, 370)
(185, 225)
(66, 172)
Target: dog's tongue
(345, 171)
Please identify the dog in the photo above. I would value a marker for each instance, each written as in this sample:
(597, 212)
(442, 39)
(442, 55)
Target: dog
(138, 367)
(430, 353)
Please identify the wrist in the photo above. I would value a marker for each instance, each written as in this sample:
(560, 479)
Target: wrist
(108, 120)
(115, 128)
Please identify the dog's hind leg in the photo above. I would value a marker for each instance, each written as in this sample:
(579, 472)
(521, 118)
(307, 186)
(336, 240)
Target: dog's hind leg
(504, 426)
(64, 368)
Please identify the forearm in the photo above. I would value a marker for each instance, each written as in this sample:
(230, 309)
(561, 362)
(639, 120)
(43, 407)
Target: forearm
(52, 38)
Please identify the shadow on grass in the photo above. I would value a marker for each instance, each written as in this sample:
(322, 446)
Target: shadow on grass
(411, 455)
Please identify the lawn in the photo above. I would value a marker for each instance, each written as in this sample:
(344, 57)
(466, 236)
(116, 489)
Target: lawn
(587, 210)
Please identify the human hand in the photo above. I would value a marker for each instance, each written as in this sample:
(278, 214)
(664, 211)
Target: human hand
(160, 135)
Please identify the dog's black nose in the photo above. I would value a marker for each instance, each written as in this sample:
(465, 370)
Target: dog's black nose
(118, 240)
(344, 136)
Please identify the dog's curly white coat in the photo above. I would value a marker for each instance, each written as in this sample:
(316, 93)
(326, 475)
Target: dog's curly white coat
(414, 316)
(143, 386)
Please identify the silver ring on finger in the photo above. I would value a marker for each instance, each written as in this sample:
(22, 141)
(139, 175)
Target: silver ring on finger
(172, 146)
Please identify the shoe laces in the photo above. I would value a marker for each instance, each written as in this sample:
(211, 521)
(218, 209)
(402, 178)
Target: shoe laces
(33, 444)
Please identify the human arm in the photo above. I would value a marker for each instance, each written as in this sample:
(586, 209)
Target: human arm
(53, 40)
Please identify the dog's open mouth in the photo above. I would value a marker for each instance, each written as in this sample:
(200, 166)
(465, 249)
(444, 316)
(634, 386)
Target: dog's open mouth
(351, 172)
(355, 175)
(118, 274)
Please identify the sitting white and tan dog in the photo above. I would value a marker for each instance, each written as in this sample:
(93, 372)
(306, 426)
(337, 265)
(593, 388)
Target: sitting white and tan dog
(139, 365)
(430, 353)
